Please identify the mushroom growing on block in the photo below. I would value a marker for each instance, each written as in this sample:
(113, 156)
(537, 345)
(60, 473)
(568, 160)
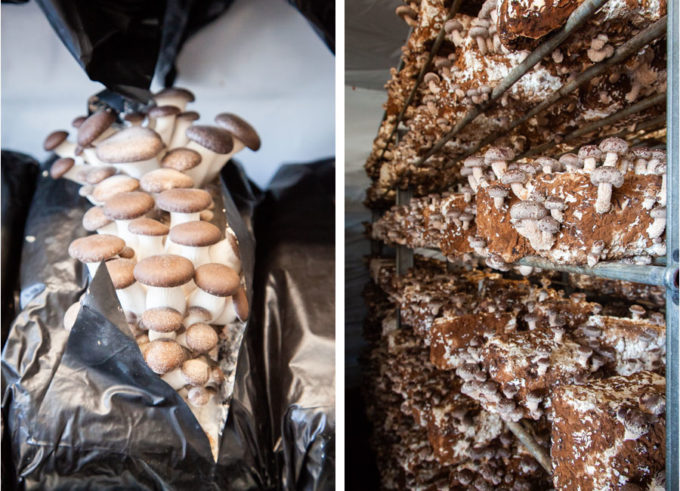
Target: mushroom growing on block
(161, 322)
(125, 207)
(548, 227)
(174, 96)
(604, 178)
(214, 145)
(68, 169)
(163, 355)
(162, 121)
(201, 338)
(131, 294)
(94, 249)
(227, 252)
(589, 154)
(236, 308)
(659, 224)
(181, 159)
(193, 240)
(548, 165)
(498, 193)
(556, 206)
(132, 150)
(499, 157)
(477, 165)
(516, 179)
(94, 220)
(184, 205)
(111, 186)
(571, 162)
(640, 156)
(215, 282)
(194, 372)
(242, 132)
(182, 122)
(613, 148)
(164, 276)
(159, 180)
(525, 215)
(150, 235)
(95, 128)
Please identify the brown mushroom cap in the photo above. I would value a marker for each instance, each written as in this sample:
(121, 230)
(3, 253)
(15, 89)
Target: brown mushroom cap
(126, 206)
(196, 371)
(474, 162)
(95, 125)
(201, 338)
(55, 139)
(163, 355)
(97, 174)
(215, 139)
(127, 252)
(165, 271)
(162, 111)
(94, 219)
(177, 92)
(405, 11)
(95, 248)
(189, 115)
(159, 180)
(589, 151)
(641, 153)
(495, 154)
(61, 167)
(240, 128)
(199, 396)
(183, 200)
(527, 209)
(198, 312)
(217, 279)
(569, 159)
(548, 224)
(121, 272)
(609, 175)
(548, 161)
(147, 226)
(181, 159)
(134, 117)
(113, 185)
(161, 319)
(77, 121)
(131, 144)
(514, 176)
(614, 145)
(241, 304)
(195, 234)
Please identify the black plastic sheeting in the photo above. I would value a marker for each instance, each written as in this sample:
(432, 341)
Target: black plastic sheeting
(82, 410)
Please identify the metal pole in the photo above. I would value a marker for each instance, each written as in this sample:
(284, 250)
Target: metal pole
(576, 19)
(672, 248)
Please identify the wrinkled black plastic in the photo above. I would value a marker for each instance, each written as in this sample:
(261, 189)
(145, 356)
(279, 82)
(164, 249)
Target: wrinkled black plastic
(122, 44)
(84, 411)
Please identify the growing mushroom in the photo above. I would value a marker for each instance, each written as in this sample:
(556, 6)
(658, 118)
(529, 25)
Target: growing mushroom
(95, 128)
(236, 307)
(184, 205)
(68, 169)
(57, 142)
(556, 206)
(525, 215)
(641, 155)
(516, 179)
(125, 207)
(164, 276)
(571, 162)
(614, 148)
(94, 249)
(407, 14)
(159, 180)
(163, 355)
(599, 49)
(195, 373)
(476, 164)
(95, 175)
(131, 295)
(243, 134)
(454, 28)
(182, 122)
(214, 282)
(162, 121)
(181, 159)
(478, 244)
(214, 145)
(134, 118)
(604, 178)
(132, 150)
(548, 227)
(174, 96)
(94, 220)
(589, 154)
(150, 235)
(548, 165)
(201, 338)
(499, 157)
(659, 224)
(111, 186)
(595, 252)
(161, 322)
(193, 240)
(498, 193)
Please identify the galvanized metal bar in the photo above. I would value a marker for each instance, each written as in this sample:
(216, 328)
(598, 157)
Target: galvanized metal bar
(621, 54)
(635, 108)
(673, 250)
(528, 440)
(576, 19)
(431, 54)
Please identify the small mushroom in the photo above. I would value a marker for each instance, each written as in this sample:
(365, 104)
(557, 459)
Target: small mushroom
(498, 158)
(184, 205)
(195, 373)
(466, 218)
(556, 206)
(163, 355)
(57, 142)
(94, 249)
(478, 244)
(604, 178)
(453, 28)
(68, 169)
(571, 162)
(614, 148)
(498, 193)
(174, 96)
(201, 338)
(130, 294)
(640, 155)
(97, 127)
(516, 179)
(477, 165)
(243, 134)
(162, 121)
(637, 311)
(161, 322)
(548, 165)
(193, 240)
(181, 159)
(149, 235)
(548, 227)
(213, 144)
(658, 226)
(164, 275)
(525, 215)
(407, 14)
(589, 154)
(132, 150)
(495, 261)
(182, 122)
(214, 282)
(125, 207)
(94, 220)
(599, 49)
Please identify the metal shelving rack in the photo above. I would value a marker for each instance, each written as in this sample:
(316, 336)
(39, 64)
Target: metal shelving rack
(661, 275)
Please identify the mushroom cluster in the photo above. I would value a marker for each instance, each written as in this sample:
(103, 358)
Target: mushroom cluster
(177, 276)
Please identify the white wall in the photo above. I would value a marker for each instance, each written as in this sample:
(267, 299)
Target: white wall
(260, 60)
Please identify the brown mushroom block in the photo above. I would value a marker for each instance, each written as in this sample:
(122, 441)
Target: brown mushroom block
(609, 433)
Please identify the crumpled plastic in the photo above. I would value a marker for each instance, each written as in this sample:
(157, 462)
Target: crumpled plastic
(82, 410)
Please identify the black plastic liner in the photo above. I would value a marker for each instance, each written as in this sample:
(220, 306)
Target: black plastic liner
(83, 410)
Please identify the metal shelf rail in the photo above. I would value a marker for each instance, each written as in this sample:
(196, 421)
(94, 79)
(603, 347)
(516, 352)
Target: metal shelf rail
(649, 274)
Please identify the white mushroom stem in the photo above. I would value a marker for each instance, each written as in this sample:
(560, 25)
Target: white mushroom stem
(123, 232)
(519, 190)
(224, 253)
(611, 159)
(109, 228)
(197, 255)
(589, 164)
(165, 126)
(198, 173)
(172, 297)
(604, 197)
(499, 168)
(149, 245)
(212, 303)
(656, 228)
(228, 315)
(177, 218)
(662, 192)
(74, 174)
(156, 335)
(557, 215)
(89, 155)
(136, 169)
(179, 137)
(220, 160)
(132, 299)
(174, 378)
(66, 149)
(473, 182)
(498, 202)
(529, 229)
(640, 166)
